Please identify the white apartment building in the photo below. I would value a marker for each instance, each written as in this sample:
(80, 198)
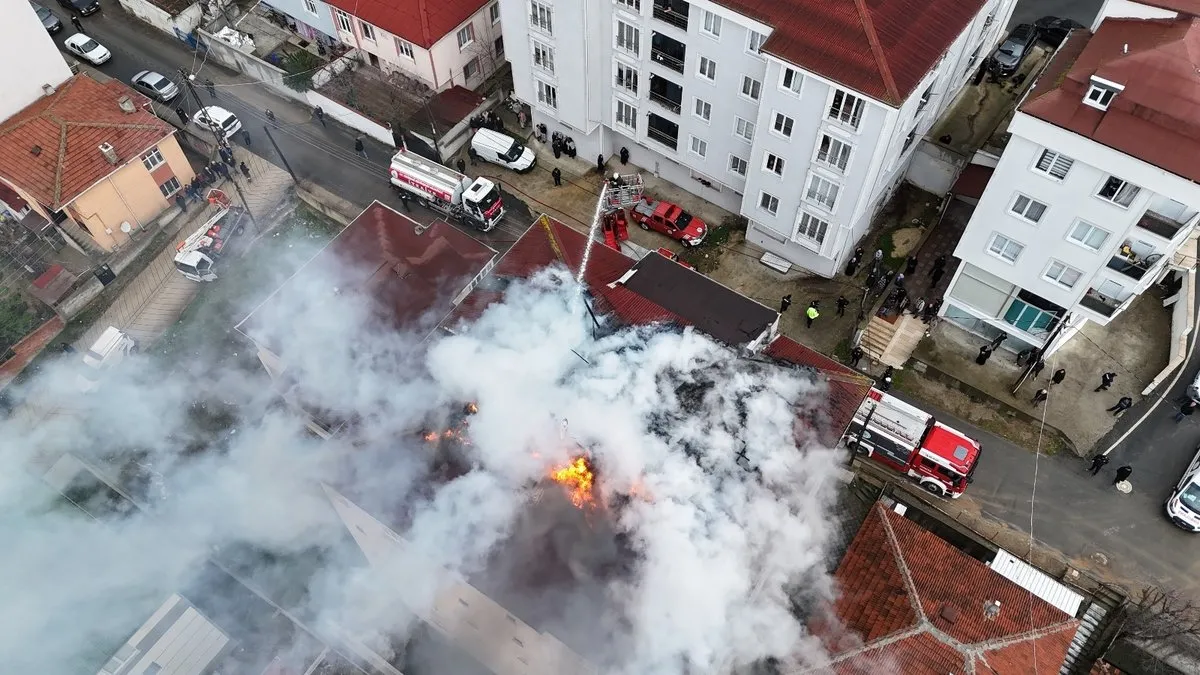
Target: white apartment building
(1097, 188)
(442, 43)
(24, 41)
(799, 114)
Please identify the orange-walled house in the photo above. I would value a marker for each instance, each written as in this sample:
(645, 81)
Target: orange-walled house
(92, 158)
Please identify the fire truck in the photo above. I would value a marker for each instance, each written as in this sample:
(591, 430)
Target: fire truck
(476, 203)
(909, 440)
(196, 255)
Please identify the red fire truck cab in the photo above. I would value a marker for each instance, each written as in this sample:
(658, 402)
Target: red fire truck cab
(909, 440)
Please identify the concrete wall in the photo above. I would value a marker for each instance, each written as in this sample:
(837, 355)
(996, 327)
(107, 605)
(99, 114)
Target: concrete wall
(350, 118)
(250, 65)
(321, 20)
(934, 168)
(31, 58)
(339, 65)
(185, 22)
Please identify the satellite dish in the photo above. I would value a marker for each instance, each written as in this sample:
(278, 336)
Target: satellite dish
(126, 227)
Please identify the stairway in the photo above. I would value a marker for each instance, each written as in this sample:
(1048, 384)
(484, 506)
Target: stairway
(1096, 630)
(892, 343)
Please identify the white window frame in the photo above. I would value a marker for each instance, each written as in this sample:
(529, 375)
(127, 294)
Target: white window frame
(858, 106)
(711, 26)
(1090, 229)
(344, 21)
(622, 87)
(700, 69)
(1137, 190)
(735, 161)
(702, 110)
(1064, 270)
(634, 6)
(833, 138)
(796, 84)
(162, 186)
(1099, 96)
(544, 62)
(494, 12)
(1054, 160)
(404, 48)
(619, 118)
(817, 225)
(698, 146)
(773, 163)
(747, 126)
(753, 37)
(628, 38)
(152, 159)
(1000, 254)
(545, 92)
(541, 17)
(788, 124)
(310, 6)
(465, 36)
(367, 30)
(770, 199)
(473, 63)
(755, 87)
(827, 199)
(1020, 210)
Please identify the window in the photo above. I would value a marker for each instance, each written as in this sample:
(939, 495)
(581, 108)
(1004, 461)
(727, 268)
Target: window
(152, 158)
(783, 125)
(310, 6)
(1027, 208)
(404, 48)
(541, 17)
(628, 38)
(810, 228)
(1004, 248)
(368, 31)
(1118, 191)
(908, 141)
(712, 24)
(768, 203)
(822, 192)
(543, 56)
(925, 96)
(1053, 164)
(626, 115)
(627, 78)
(1099, 96)
(1088, 235)
(494, 12)
(974, 57)
(344, 21)
(632, 5)
(755, 42)
(708, 68)
(472, 68)
(547, 95)
(791, 80)
(751, 88)
(833, 153)
(846, 109)
(699, 147)
(703, 110)
(1062, 275)
(737, 165)
(498, 47)
(744, 129)
(169, 186)
(466, 35)
(774, 164)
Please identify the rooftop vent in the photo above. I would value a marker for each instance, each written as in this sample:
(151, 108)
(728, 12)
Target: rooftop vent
(991, 609)
(126, 104)
(949, 613)
(48, 89)
(109, 152)
(36, 150)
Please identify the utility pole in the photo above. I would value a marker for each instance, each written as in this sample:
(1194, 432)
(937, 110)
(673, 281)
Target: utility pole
(191, 86)
(275, 145)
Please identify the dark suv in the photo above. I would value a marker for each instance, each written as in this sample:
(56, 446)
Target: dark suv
(1008, 56)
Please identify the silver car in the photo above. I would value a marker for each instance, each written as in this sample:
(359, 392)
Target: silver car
(155, 86)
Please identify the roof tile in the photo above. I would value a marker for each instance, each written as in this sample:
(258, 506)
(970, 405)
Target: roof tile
(421, 22)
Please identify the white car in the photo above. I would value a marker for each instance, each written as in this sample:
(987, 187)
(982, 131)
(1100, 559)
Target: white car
(217, 120)
(87, 49)
(1183, 506)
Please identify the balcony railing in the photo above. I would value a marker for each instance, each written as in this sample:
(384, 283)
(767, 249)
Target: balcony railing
(1159, 224)
(672, 62)
(1100, 304)
(1131, 269)
(677, 19)
(664, 101)
(663, 137)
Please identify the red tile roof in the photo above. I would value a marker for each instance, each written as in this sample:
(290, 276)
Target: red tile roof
(1156, 118)
(847, 387)
(918, 602)
(68, 126)
(882, 48)
(9, 196)
(421, 22)
(972, 181)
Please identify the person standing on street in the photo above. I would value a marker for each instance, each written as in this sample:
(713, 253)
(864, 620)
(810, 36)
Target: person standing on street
(319, 113)
(811, 313)
(1186, 410)
(910, 265)
(1123, 474)
(183, 116)
(556, 174)
(211, 87)
(461, 166)
(246, 172)
(985, 353)
(1038, 368)
(361, 149)
(600, 164)
(1124, 404)
(785, 302)
(1040, 395)
(181, 202)
(404, 200)
(856, 355)
(842, 302)
(1098, 463)
(246, 137)
(1058, 376)
(852, 263)
(77, 23)
(1106, 381)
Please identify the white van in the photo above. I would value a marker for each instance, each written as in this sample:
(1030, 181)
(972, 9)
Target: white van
(109, 349)
(497, 148)
(1183, 506)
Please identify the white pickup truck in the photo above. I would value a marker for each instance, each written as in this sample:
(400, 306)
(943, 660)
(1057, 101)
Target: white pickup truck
(107, 351)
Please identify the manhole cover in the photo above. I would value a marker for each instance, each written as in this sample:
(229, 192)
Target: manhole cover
(1099, 558)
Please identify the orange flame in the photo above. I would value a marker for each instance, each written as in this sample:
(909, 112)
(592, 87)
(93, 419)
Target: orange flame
(472, 408)
(578, 479)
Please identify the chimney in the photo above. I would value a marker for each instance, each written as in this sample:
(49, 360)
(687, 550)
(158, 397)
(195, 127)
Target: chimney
(36, 150)
(48, 89)
(109, 152)
(991, 609)
(126, 104)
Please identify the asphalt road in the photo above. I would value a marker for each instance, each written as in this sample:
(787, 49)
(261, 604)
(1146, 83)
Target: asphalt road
(1028, 11)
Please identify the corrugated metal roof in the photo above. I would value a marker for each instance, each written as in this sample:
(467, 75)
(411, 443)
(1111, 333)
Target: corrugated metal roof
(1037, 582)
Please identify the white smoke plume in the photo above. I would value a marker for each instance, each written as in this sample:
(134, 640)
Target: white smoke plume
(714, 522)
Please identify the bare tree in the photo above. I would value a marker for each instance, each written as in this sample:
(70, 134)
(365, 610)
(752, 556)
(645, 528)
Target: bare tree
(1158, 615)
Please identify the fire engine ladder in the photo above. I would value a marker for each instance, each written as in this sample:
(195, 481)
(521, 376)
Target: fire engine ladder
(624, 195)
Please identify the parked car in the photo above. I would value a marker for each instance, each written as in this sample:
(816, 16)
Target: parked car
(112, 347)
(1053, 30)
(1183, 506)
(497, 148)
(217, 120)
(155, 86)
(84, 7)
(51, 22)
(87, 49)
(670, 220)
(1008, 56)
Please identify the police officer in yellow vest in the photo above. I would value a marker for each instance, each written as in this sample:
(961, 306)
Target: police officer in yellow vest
(811, 313)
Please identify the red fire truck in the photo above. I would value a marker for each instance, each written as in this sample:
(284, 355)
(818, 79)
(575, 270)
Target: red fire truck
(909, 440)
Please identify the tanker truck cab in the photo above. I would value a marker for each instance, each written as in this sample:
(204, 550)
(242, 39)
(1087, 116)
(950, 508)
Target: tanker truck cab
(498, 148)
(482, 201)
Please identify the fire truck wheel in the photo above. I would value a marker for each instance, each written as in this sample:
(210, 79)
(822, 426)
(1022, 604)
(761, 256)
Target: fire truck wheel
(933, 489)
(423, 202)
(644, 226)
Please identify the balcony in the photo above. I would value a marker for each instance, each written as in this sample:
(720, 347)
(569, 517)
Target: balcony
(666, 93)
(1129, 267)
(1156, 223)
(674, 12)
(662, 131)
(668, 51)
(1100, 304)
